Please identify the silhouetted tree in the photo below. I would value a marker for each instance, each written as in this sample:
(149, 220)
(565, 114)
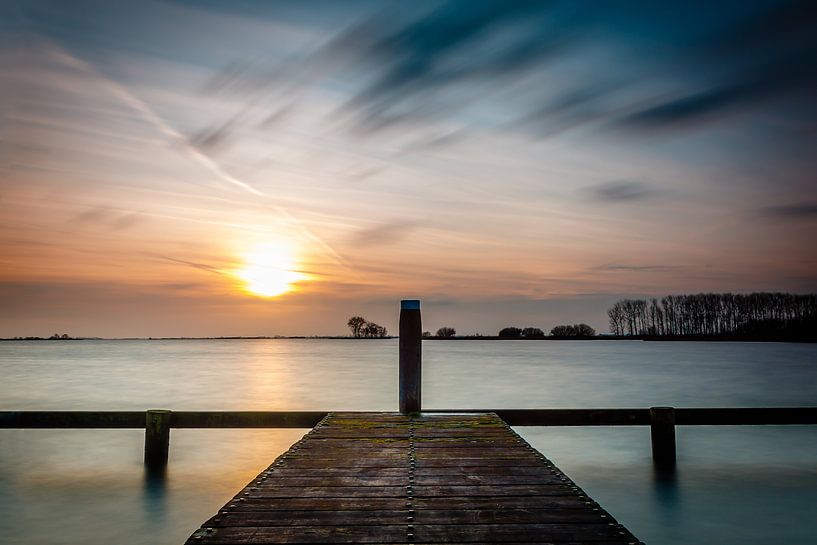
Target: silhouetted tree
(713, 314)
(356, 324)
(426, 334)
(446, 332)
(584, 330)
(575, 330)
(511, 332)
(373, 331)
(532, 332)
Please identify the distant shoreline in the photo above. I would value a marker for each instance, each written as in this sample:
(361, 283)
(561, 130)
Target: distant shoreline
(690, 338)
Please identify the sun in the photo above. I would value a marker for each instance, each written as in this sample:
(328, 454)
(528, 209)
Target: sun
(269, 270)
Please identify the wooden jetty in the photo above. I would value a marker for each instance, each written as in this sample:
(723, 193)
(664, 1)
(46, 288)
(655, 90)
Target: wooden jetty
(418, 478)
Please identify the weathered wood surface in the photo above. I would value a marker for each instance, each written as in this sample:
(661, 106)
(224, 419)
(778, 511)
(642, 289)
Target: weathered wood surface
(389, 478)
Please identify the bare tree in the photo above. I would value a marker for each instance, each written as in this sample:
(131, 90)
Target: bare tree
(713, 314)
(446, 332)
(374, 331)
(356, 324)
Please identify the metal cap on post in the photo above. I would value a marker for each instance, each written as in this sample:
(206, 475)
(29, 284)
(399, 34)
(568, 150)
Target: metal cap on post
(411, 354)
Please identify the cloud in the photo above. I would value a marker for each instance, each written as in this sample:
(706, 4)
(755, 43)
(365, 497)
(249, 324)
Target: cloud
(277, 117)
(215, 137)
(623, 191)
(771, 55)
(438, 63)
(126, 221)
(690, 108)
(109, 218)
(437, 141)
(760, 84)
(796, 211)
(195, 265)
(365, 173)
(388, 233)
(460, 40)
(637, 268)
(569, 109)
(776, 24)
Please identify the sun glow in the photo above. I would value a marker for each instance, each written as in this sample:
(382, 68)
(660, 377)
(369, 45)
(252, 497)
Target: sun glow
(269, 270)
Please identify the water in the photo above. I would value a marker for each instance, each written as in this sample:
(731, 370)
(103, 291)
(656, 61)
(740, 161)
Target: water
(734, 485)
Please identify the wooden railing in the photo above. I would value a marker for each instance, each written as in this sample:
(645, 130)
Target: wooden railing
(662, 421)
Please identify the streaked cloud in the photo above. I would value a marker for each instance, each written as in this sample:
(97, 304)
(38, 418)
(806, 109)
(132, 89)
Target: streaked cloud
(795, 211)
(387, 233)
(109, 218)
(623, 191)
(637, 268)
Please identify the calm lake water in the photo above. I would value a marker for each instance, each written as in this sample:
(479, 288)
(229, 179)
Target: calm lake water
(743, 485)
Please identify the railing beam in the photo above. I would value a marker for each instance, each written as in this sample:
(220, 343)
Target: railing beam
(721, 416)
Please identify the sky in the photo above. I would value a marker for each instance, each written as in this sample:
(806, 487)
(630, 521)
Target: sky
(181, 168)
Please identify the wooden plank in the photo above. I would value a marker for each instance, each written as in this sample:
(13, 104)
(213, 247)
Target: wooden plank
(486, 480)
(262, 535)
(447, 533)
(335, 517)
(329, 492)
(343, 471)
(389, 478)
(385, 504)
(453, 533)
(376, 491)
(356, 517)
(566, 501)
(357, 480)
(313, 504)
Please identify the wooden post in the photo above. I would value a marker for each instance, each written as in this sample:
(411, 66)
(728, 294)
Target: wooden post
(411, 354)
(157, 438)
(662, 432)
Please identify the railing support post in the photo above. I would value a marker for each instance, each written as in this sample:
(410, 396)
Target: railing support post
(662, 432)
(157, 438)
(411, 354)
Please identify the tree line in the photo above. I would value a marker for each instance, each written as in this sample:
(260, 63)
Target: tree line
(512, 332)
(362, 328)
(575, 330)
(716, 314)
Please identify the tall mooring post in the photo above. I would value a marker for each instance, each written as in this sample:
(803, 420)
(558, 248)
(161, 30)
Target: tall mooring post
(411, 354)
(157, 438)
(662, 434)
